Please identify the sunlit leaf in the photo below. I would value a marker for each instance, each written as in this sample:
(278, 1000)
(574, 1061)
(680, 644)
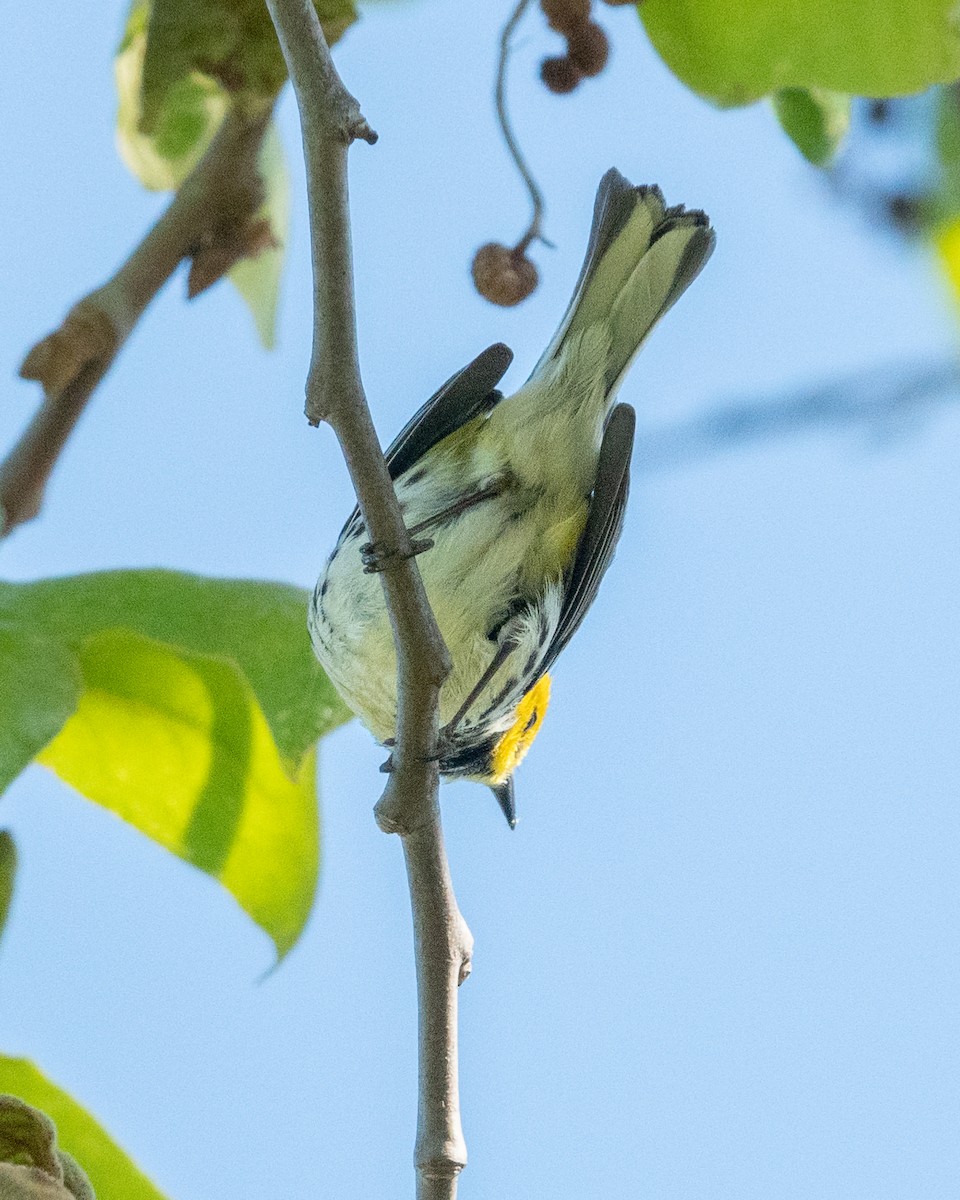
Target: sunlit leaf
(111, 1172)
(196, 706)
(258, 279)
(191, 113)
(182, 63)
(231, 41)
(815, 120)
(175, 744)
(947, 244)
(261, 626)
(180, 66)
(735, 51)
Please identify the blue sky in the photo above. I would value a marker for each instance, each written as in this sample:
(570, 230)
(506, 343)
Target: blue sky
(718, 958)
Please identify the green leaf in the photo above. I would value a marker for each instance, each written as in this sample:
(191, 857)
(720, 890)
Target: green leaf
(258, 279)
(261, 626)
(946, 198)
(184, 124)
(735, 51)
(8, 874)
(196, 705)
(111, 1172)
(40, 685)
(181, 63)
(816, 120)
(175, 744)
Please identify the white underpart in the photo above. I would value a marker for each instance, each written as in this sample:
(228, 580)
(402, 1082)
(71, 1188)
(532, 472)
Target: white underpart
(544, 440)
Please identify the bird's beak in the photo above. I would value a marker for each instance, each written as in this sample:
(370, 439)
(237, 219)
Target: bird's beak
(505, 798)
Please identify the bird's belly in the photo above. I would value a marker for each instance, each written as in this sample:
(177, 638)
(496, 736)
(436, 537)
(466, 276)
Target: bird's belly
(473, 575)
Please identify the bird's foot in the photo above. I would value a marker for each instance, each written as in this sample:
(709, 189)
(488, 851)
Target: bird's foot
(376, 557)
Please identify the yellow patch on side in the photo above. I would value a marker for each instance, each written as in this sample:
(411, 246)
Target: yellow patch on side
(508, 753)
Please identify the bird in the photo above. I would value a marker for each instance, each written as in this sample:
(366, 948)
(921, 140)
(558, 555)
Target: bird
(515, 504)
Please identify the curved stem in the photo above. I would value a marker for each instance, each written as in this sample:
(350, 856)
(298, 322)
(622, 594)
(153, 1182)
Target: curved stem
(534, 230)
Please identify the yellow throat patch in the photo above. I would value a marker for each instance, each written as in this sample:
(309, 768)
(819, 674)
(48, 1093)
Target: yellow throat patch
(508, 753)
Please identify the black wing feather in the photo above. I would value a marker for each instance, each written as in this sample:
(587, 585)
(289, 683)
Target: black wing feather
(465, 395)
(602, 530)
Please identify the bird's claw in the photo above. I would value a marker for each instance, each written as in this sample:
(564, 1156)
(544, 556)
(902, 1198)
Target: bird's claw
(376, 557)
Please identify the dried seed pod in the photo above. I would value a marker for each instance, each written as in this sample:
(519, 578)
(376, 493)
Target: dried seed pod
(589, 48)
(561, 75)
(566, 15)
(503, 275)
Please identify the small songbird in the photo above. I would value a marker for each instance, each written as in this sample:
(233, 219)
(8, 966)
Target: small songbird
(516, 504)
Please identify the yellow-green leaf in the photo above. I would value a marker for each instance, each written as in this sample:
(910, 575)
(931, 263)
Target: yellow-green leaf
(261, 626)
(735, 51)
(815, 120)
(112, 1173)
(182, 63)
(176, 744)
(258, 279)
(183, 126)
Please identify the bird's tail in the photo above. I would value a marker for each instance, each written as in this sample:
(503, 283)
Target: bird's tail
(640, 259)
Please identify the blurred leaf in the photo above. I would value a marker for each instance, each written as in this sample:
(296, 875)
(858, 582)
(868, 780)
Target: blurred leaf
(112, 1174)
(735, 51)
(231, 41)
(40, 685)
(180, 66)
(946, 242)
(8, 874)
(181, 63)
(196, 705)
(183, 125)
(258, 279)
(175, 744)
(947, 197)
(260, 626)
(816, 120)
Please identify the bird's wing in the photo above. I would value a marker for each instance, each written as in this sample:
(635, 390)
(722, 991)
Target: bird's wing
(602, 530)
(465, 395)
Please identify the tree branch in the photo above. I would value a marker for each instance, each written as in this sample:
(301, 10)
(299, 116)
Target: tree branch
(330, 120)
(219, 196)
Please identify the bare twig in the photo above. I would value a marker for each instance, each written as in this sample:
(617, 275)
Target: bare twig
(219, 196)
(330, 120)
(534, 230)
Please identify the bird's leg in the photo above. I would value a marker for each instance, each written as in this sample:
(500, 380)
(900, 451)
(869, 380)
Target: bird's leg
(375, 558)
(460, 506)
(504, 650)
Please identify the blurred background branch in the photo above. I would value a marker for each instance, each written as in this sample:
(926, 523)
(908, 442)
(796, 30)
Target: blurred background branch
(887, 402)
